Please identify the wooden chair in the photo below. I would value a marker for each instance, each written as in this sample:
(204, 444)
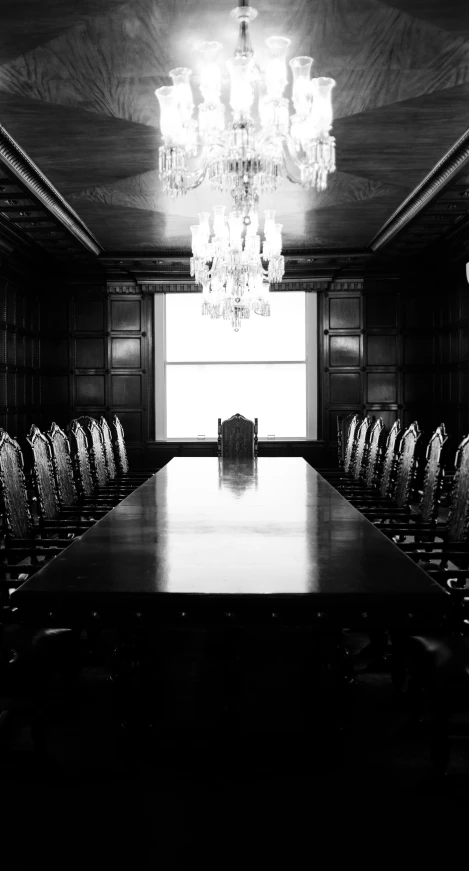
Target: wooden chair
(423, 524)
(68, 496)
(439, 664)
(98, 464)
(399, 503)
(372, 466)
(343, 426)
(23, 540)
(343, 473)
(359, 463)
(50, 514)
(454, 534)
(121, 483)
(87, 488)
(237, 437)
(122, 459)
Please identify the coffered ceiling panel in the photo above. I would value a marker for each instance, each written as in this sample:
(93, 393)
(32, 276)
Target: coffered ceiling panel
(77, 82)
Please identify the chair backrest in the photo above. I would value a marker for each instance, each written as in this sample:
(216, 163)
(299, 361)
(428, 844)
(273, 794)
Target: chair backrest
(63, 467)
(81, 459)
(343, 425)
(406, 465)
(359, 460)
(374, 452)
(94, 437)
(350, 444)
(237, 437)
(18, 520)
(108, 448)
(390, 459)
(432, 475)
(458, 514)
(43, 475)
(119, 445)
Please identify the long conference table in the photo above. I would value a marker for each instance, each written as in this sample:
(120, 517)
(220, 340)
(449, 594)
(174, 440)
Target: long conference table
(212, 541)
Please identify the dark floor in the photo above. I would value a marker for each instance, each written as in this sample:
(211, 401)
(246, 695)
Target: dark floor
(182, 793)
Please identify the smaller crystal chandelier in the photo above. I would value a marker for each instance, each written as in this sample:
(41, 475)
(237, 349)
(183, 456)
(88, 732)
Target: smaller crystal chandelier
(229, 266)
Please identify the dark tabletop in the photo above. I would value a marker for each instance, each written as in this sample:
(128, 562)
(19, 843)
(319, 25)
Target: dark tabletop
(206, 526)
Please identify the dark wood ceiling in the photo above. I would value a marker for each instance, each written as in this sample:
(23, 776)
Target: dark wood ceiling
(77, 81)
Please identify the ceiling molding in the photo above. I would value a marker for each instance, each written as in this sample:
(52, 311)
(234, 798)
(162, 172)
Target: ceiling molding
(17, 161)
(442, 173)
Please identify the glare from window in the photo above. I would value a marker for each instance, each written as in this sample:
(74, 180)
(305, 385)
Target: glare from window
(190, 337)
(198, 394)
(213, 372)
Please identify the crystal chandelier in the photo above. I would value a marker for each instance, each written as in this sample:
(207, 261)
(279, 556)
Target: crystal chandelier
(247, 155)
(229, 266)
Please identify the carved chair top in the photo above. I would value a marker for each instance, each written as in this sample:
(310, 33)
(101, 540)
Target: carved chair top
(351, 442)
(18, 520)
(238, 436)
(62, 461)
(392, 441)
(432, 475)
(82, 458)
(119, 442)
(375, 442)
(406, 465)
(108, 448)
(343, 424)
(43, 473)
(96, 449)
(362, 435)
(458, 514)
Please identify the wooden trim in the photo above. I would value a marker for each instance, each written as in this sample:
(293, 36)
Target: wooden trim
(18, 162)
(442, 173)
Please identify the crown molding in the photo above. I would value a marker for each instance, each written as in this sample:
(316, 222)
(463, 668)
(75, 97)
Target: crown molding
(17, 161)
(442, 173)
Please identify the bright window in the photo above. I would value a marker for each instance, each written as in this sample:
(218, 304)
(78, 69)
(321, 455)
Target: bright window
(209, 371)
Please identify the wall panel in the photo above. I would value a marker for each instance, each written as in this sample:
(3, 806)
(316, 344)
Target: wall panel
(19, 352)
(103, 343)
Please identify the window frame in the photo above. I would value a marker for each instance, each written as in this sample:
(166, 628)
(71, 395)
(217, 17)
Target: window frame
(311, 367)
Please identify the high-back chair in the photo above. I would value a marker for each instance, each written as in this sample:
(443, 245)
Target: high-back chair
(349, 427)
(423, 524)
(100, 469)
(122, 460)
(381, 507)
(359, 461)
(439, 664)
(237, 437)
(22, 539)
(372, 436)
(69, 499)
(124, 485)
(88, 490)
(98, 465)
(46, 486)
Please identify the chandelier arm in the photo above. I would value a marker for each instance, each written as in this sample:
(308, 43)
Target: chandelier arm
(290, 159)
(198, 175)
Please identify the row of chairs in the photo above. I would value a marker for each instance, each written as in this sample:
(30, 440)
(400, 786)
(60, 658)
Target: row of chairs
(77, 478)
(378, 478)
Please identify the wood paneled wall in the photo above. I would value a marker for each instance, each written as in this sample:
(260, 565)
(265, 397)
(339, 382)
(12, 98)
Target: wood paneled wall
(96, 358)
(378, 355)
(19, 356)
(388, 348)
(451, 307)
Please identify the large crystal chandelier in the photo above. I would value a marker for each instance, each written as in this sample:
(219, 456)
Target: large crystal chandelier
(247, 155)
(229, 266)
